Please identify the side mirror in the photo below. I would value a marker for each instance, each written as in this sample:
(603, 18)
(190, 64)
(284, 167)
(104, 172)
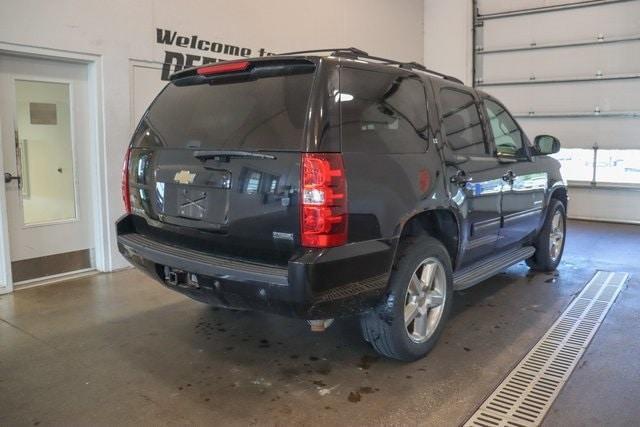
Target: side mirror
(546, 144)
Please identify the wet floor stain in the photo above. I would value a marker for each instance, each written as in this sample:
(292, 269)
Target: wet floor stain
(354, 397)
(367, 360)
(311, 368)
(264, 343)
(555, 275)
(289, 373)
(324, 368)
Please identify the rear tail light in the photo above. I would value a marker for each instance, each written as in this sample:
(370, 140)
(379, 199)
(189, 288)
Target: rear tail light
(226, 67)
(323, 211)
(125, 182)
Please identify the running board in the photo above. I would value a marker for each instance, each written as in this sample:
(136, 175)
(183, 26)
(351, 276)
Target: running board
(482, 270)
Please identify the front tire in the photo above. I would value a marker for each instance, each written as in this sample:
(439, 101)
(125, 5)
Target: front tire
(407, 324)
(550, 241)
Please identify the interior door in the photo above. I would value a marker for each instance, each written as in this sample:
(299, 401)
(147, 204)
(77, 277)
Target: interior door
(46, 160)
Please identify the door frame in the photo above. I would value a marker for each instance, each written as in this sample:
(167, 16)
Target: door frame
(98, 171)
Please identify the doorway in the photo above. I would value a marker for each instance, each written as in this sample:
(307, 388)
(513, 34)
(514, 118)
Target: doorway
(46, 148)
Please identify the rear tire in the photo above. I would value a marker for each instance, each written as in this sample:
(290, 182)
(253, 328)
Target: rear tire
(550, 241)
(407, 324)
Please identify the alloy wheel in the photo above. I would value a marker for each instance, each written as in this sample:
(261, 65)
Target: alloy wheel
(424, 301)
(556, 236)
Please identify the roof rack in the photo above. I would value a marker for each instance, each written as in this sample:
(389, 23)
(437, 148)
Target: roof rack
(354, 53)
(335, 51)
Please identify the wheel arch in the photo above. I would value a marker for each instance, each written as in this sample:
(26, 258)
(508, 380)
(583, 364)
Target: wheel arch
(558, 191)
(440, 223)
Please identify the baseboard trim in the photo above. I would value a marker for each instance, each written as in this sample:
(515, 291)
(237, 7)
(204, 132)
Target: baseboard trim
(609, 220)
(56, 278)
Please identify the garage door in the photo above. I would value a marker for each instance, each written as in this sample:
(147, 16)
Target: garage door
(572, 70)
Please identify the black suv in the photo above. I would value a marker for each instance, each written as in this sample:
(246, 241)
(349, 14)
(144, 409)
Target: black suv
(339, 185)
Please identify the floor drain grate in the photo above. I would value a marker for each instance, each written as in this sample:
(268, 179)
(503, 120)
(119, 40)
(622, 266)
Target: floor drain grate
(527, 393)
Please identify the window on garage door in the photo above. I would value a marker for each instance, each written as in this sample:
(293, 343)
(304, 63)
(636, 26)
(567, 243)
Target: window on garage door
(618, 166)
(601, 166)
(576, 163)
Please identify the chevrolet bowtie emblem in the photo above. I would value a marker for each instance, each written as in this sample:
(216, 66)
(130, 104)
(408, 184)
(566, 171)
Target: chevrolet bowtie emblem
(184, 177)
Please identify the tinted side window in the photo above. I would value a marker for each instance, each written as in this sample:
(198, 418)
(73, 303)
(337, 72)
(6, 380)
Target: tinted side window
(506, 133)
(461, 123)
(382, 112)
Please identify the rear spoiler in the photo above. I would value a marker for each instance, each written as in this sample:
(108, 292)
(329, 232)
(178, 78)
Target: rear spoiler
(243, 67)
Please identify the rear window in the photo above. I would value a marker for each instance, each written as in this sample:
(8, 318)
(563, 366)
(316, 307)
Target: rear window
(267, 113)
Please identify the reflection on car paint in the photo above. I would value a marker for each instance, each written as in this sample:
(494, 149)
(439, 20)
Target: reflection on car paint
(459, 197)
(533, 181)
(253, 181)
(160, 194)
(484, 188)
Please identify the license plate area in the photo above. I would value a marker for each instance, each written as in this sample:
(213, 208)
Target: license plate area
(204, 200)
(192, 203)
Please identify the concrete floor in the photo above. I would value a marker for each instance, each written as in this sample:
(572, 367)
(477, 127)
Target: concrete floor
(120, 349)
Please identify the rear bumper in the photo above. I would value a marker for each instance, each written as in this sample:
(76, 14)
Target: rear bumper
(316, 284)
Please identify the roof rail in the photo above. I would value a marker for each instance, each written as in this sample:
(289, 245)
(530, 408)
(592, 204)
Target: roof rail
(336, 51)
(435, 73)
(354, 52)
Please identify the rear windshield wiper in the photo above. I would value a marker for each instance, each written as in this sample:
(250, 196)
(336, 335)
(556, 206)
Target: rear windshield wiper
(222, 155)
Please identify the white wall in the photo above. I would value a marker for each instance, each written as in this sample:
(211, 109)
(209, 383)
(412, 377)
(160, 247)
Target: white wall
(123, 33)
(447, 37)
